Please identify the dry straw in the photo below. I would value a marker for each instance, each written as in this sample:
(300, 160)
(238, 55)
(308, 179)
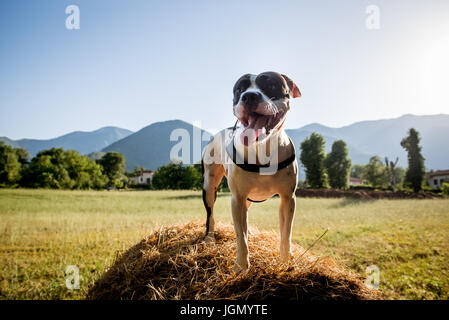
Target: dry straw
(175, 263)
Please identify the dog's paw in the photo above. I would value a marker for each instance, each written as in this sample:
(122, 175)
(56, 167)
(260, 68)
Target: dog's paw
(209, 238)
(286, 257)
(238, 269)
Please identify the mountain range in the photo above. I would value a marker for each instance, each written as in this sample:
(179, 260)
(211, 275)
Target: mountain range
(81, 141)
(383, 138)
(150, 147)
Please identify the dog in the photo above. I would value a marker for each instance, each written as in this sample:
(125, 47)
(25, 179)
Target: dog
(257, 158)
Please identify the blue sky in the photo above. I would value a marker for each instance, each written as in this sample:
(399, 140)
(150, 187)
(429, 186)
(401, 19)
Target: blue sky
(132, 63)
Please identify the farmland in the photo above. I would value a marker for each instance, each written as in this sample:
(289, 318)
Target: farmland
(44, 231)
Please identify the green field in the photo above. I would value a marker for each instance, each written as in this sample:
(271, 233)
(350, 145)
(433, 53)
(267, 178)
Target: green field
(43, 232)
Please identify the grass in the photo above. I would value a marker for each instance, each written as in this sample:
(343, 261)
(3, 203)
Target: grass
(43, 232)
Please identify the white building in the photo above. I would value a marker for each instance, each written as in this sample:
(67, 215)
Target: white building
(353, 181)
(144, 178)
(436, 179)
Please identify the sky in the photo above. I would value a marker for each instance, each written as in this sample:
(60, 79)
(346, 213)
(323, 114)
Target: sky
(132, 63)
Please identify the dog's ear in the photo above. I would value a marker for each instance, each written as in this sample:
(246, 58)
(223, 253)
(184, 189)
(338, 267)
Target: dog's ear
(294, 91)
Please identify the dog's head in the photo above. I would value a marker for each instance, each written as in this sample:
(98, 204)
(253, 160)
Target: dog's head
(261, 103)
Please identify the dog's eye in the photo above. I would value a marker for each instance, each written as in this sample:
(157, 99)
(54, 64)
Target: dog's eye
(285, 96)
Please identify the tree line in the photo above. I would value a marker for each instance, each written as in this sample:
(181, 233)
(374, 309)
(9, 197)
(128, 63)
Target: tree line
(176, 175)
(334, 169)
(68, 169)
(59, 169)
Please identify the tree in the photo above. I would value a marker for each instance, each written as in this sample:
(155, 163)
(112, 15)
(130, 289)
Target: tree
(338, 165)
(47, 170)
(375, 172)
(395, 174)
(137, 171)
(312, 157)
(415, 172)
(399, 174)
(390, 167)
(445, 188)
(12, 161)
(167, 176)
(114, 164)
(223, 186)
(83, 171)
(191, 178)
(22, 155)
(357, 170)
(59, 169)
(199, 168)
(175, 175)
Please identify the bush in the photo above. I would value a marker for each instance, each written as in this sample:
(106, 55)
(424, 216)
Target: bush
(177, 176)
(59, 169)
(375, 173)
(445, 189)
(12, 161)
(338, 165)
(312, 158)
(362, 187)
(114, 164)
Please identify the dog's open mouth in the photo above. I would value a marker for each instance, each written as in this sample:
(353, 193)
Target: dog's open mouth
(257, 126)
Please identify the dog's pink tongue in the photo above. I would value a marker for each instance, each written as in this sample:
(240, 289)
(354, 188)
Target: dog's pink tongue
(248, 137)
(252, 131)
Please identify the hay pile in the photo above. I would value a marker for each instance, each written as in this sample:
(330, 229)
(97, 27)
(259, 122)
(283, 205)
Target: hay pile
(175, 263)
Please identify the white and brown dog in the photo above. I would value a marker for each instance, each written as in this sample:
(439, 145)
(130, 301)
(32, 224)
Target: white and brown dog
(258, 158)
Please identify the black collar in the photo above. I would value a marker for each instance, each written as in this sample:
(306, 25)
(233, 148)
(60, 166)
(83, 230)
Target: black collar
(232, 153)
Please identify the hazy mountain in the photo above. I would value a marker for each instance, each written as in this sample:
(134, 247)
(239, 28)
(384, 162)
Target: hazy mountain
(83, 142)
(150, 147)
(383, 138)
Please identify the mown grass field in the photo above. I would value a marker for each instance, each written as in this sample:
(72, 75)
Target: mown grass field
(43, 232)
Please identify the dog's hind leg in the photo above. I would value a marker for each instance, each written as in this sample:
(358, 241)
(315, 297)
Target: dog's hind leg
(212, 175)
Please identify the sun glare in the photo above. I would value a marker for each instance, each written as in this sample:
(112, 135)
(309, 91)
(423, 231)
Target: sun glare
(438, 76)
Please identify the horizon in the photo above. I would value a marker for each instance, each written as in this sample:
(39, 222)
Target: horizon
(206, 129)
(132, 64)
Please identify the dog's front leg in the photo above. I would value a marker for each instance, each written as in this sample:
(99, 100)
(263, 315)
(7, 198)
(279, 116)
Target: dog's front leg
(240, 217)
(286, 214)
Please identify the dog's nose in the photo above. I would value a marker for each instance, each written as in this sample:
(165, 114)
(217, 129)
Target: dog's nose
(251, 99)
